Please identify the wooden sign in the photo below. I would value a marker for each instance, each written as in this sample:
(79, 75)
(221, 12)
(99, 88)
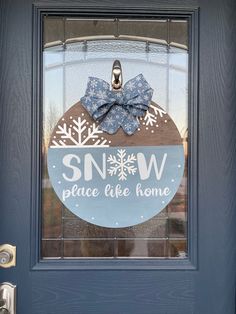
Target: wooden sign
(115, 180)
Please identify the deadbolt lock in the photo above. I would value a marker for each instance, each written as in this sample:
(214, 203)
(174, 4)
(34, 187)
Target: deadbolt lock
(7, 256)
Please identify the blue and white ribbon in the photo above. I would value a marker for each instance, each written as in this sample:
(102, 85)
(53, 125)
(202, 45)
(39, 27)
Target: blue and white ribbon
(114, 109)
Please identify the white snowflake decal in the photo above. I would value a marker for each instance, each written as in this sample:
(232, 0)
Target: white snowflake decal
(122, 164)
(159, 111)
(79, 133)
(150, 118)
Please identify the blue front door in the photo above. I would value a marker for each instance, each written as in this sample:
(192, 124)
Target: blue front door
(119, 199)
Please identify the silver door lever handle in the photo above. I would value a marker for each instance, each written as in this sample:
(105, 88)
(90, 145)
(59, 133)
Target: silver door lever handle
(7, 298)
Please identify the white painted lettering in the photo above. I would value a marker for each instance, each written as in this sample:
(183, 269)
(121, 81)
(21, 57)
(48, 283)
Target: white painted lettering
(88, 169)
(76, 174)
(145, 170)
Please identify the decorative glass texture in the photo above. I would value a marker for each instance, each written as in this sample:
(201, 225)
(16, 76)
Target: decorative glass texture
(73, 50)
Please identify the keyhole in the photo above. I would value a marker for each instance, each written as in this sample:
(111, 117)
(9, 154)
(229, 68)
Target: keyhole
(5, 258)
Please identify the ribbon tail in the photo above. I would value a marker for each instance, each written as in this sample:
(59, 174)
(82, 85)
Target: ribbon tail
(130, 124)
(112, 121)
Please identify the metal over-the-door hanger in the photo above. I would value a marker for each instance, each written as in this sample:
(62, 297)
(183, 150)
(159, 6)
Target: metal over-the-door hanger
(115, 158)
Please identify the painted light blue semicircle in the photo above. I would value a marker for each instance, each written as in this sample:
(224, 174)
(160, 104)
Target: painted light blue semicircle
(116, 187)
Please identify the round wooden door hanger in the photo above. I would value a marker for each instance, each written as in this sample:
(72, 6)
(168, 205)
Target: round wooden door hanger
(115, 158)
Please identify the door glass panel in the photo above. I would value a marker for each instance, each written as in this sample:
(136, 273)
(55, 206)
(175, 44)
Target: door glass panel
(75, 49)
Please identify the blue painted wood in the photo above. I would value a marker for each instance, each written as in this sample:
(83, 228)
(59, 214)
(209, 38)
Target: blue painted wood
(208, 290)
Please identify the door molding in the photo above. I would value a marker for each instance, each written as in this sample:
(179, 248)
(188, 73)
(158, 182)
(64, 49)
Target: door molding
(99, 10)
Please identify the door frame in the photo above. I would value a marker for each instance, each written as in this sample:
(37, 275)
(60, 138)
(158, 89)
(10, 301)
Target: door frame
(98, 10)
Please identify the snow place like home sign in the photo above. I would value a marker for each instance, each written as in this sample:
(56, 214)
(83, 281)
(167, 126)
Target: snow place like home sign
(115, 158)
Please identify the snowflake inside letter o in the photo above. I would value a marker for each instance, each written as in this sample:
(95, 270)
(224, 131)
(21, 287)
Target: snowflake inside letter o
(108, 177)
